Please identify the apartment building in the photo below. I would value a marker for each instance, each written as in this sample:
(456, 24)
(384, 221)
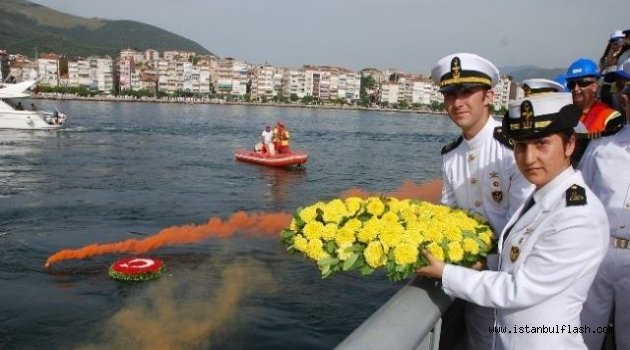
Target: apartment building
(263, 85)
(294, 83)
(502, 93)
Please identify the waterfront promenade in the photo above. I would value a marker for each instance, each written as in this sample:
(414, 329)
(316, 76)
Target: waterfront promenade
(218, 101)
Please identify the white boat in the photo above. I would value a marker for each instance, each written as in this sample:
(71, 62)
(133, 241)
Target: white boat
(21, 118)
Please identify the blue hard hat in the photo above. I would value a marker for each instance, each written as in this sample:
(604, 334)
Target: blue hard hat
(562, 81)
(581, 68)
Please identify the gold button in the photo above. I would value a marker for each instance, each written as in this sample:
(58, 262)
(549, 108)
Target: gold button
(477, 203)
(628, 205)
(473, 180)
(471, 157)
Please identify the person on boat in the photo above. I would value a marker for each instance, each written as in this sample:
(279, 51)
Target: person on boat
(267, 141)
(600, 167)
(281, 138)
(539, 86)
(19, 106)
(552, 246)
(478, 169)
(33, 107)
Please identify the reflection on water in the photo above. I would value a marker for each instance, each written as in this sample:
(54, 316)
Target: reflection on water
(280, 182)
(128, 170)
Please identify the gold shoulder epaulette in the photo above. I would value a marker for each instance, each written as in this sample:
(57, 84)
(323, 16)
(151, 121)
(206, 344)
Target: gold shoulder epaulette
(575, 195)
(505, 140)
(451, 146)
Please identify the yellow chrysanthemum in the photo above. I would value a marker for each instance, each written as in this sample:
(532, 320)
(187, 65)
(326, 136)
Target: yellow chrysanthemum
(344, 237)
(334, 211)
(373, 255)
(353, 224)
(293, 225)
(470, 246)
(390, 235)
(300, 243)
(308, 214)
(405, 253)
(315, 250)
(369, 231)
(390, 217)
(455, 252)
(329, 232)
(375, 206)
(414, 237)
(433, 233)
(485, 237)
(436, 251)
(313, 230)
(353, 204)
(452, 232)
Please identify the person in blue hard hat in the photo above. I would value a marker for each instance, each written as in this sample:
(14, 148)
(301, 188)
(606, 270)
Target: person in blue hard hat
(479, 173)
(551, 248)
(597, 118)
(610, 290)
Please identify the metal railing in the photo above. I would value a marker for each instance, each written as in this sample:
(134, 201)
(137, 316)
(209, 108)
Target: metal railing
(410, 320)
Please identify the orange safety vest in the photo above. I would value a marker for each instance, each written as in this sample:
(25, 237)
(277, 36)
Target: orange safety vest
(598, 116)
(281, 137)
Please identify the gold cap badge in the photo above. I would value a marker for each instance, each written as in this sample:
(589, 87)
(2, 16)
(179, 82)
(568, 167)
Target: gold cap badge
(456, 67)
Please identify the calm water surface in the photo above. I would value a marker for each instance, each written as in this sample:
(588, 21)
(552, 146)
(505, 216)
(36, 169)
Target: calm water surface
(127, 170)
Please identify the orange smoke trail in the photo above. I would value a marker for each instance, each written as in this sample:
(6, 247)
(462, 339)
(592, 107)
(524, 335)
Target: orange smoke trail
(429, 191)
(269, 224)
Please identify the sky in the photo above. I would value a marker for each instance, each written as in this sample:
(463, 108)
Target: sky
(410, 35)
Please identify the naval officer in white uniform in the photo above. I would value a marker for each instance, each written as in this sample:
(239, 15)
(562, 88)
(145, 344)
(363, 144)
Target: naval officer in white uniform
(552, 246)
(604, 167)
(479, 173)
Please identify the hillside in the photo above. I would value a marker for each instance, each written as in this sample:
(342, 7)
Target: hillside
(520, 73)
(27, 27)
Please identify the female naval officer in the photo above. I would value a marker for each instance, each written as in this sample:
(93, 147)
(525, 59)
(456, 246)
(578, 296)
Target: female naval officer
(551, 247)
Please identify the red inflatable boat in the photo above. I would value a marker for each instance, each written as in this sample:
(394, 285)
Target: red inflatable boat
(277, 160)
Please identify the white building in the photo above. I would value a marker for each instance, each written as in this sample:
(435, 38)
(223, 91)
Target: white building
(294, 83)
(48, 70)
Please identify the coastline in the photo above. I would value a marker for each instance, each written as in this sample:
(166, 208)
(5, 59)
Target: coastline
(190, 100)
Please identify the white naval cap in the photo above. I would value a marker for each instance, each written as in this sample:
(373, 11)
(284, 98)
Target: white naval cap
(617, 34)
(541, 115)
(464, 70)
(536, 86)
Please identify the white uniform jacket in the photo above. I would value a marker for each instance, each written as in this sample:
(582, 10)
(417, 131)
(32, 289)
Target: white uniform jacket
(613, 189)
(480, 175)
(547, 264)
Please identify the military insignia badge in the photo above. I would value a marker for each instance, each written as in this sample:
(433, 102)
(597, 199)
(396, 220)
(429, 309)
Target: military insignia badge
(456, 67)
(527, 114)
(497, 196)
(514, 253)
(575, 195)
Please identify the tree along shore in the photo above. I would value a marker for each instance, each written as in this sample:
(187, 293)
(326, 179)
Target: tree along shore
(219, 101)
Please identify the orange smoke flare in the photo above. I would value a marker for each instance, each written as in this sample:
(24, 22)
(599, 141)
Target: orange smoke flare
(429, 191)
(269, 224)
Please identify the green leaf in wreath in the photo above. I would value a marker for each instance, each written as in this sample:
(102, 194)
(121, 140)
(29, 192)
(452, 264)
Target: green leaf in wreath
(327, 261)
(331, 247)
(366, 270)
(349, 263)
